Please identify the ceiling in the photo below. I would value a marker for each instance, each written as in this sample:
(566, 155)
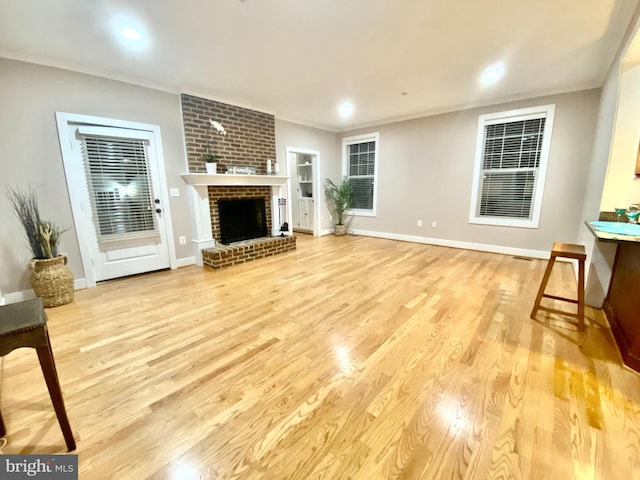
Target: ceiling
(301, 59)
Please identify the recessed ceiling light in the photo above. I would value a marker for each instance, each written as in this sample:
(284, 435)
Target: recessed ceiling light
(492, 74)
(131, 34)
(346, 109)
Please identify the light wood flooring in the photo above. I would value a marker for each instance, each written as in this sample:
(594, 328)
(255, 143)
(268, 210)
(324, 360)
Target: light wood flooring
(352, 358)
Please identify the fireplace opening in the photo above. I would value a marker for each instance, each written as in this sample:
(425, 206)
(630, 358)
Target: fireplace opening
(242, 219)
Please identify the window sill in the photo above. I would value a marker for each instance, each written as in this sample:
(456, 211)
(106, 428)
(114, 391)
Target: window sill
(503, 222)
(361, 213)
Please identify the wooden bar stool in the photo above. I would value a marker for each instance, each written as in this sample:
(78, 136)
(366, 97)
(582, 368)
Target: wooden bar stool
(563, 250)
(24, 324)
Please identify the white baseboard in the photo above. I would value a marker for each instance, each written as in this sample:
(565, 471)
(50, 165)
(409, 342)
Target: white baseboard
(328, 231)
(184, 262)
(20, 296)
(482, 247)
(15, 297)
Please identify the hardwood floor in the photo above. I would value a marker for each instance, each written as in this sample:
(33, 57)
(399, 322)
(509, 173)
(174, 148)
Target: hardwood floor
(350, 358)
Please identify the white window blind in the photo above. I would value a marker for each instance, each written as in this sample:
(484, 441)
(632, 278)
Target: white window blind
(510, 169)
(360, 163)
(120, 188)
(510, 161)
(361, 174)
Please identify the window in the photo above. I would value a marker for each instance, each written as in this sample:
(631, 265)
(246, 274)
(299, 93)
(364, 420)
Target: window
(119, 186)
(360, 165)
(511, 162)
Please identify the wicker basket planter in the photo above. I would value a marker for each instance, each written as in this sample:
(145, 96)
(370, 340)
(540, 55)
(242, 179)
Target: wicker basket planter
(52, 280)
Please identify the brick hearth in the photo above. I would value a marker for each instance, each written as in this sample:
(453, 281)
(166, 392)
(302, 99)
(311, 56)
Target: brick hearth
(245, 251)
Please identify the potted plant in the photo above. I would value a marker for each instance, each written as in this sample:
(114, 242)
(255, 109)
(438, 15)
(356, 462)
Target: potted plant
(211, 160)
(338, 201)
(51, 278)
(211, 163)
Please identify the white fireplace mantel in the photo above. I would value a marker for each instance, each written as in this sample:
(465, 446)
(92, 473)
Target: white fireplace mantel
(233, 180)
(200, 201)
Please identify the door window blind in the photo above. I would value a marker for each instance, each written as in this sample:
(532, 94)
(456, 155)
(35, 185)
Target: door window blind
(119, 187)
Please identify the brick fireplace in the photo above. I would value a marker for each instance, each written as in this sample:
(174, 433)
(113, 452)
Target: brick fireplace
(250, 142)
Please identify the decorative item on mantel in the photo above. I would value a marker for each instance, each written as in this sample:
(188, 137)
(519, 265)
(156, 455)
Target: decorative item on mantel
(211, 159)
(272, 171)
(238, 170)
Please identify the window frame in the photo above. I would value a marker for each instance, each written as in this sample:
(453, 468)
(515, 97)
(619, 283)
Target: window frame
(542, 111)
(363, 138)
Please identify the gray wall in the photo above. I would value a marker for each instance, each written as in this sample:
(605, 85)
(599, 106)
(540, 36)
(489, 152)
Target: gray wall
(327, 143)
(426, 169)
(30, 152)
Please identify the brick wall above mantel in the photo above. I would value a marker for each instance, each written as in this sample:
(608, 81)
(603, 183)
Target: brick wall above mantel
(250, 140)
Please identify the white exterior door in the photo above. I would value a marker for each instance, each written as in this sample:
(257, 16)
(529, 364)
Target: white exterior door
(119, 205)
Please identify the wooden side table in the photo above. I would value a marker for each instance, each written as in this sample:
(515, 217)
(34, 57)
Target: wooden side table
(24, 324)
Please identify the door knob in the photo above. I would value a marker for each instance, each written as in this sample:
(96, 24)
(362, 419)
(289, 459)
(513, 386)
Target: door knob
(157, 200)
(158, 210)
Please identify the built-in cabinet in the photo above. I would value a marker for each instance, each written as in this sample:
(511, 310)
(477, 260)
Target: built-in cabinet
(304, 170)
(622, 304)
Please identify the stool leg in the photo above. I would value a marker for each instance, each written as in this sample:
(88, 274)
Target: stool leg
(51, 377)
(3, 430)
(543, 285)
(581, 295)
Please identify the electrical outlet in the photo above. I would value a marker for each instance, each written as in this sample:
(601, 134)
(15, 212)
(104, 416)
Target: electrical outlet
(434, 224)
(419, 223)
(174, 192)
(182, 239)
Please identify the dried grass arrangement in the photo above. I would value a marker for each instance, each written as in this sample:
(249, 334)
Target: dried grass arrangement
(43, 236)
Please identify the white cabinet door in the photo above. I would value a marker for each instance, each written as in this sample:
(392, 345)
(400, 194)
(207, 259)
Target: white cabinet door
(310, 220)
(305, 214)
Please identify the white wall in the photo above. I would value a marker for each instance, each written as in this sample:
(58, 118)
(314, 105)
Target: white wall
(30, 152)
(599, 254)
(610, 163)
(621, 186)
(426, 169)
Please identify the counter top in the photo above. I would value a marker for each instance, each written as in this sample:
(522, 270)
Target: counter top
(615, 232)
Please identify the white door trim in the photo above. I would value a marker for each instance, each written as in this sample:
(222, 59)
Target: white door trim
(317, 201)
(63, 120)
